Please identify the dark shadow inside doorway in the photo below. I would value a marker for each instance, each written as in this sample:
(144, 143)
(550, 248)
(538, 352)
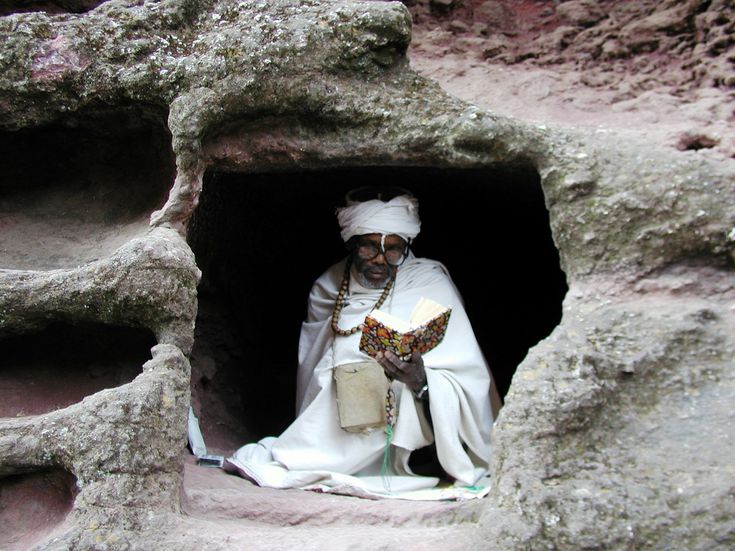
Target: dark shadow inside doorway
(262, 239)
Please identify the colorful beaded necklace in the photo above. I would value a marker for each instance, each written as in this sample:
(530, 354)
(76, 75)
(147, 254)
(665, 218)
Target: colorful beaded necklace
(340, 302)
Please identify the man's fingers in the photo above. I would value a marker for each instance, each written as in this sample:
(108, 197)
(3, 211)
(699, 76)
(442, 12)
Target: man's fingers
(396, 368)
(386, 364)
(392, 358)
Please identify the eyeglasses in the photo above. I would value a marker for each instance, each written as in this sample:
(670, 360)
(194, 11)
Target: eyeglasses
(395, 255)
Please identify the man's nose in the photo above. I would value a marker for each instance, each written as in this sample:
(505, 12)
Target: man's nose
(379, 258)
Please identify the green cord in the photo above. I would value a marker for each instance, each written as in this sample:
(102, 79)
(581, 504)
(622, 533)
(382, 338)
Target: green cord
(385, 468)
(390, 421)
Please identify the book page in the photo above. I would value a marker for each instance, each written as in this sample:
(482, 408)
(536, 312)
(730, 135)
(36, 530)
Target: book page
(425, 310)
(390, 321)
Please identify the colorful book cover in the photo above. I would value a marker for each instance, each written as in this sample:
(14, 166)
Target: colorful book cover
(382, 331)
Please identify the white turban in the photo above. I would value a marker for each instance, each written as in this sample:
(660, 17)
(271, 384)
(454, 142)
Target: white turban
(399, 216)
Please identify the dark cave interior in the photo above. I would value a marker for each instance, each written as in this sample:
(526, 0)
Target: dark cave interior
(63, 363)
(48, 6)
(262, 239)
(76, 189)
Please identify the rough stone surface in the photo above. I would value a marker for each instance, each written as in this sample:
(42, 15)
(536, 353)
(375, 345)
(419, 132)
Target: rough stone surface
(618, 428)
(124, 446)
(621, 409)
(659, 69)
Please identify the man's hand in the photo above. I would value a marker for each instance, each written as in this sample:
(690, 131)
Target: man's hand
(411, 373)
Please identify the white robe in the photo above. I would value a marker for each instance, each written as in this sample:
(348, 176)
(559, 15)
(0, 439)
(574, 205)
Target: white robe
(314, 450)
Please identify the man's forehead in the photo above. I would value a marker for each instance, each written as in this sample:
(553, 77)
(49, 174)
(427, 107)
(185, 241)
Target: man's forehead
(392, 239)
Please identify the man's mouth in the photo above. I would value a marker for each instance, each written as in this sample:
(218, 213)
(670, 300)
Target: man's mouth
(377, 274)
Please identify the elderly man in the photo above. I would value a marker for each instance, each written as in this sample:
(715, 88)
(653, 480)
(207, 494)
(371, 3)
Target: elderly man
(441, 397)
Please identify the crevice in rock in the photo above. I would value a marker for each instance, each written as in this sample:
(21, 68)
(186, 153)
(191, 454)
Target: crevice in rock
(262, 239)
(48, 6)
(63, 364)
(75, 190)
(695, 142)
(32, 505)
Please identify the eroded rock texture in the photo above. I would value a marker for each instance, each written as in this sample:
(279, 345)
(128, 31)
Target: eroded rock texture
(617, 428)
(663, 68)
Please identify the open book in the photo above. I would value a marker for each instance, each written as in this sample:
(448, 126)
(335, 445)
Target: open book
(423, 332)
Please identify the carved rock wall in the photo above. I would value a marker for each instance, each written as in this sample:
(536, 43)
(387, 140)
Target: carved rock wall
(617, 428)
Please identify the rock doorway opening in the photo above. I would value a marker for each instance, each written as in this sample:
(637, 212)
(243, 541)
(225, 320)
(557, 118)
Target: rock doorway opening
(75, 190)
(262, 239)
(63, 364)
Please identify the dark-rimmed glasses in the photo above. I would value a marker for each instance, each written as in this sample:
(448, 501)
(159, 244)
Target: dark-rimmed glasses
(395, 255)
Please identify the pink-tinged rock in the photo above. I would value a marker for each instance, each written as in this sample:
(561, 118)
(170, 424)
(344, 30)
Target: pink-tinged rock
(56, 58)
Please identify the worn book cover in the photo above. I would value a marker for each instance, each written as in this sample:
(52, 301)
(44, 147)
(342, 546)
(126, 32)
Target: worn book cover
(423, 332)
(361, 389)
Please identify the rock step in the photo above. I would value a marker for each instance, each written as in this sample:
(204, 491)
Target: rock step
(213, 494)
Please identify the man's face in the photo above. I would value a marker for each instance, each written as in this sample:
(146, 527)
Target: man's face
(375, 272)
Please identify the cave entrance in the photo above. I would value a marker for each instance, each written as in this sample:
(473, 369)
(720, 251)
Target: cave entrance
(262, 239)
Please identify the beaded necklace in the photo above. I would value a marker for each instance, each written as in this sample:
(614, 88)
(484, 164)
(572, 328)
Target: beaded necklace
(340, 302)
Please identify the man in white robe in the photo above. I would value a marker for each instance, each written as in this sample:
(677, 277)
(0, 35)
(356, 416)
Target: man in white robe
(453, 379)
